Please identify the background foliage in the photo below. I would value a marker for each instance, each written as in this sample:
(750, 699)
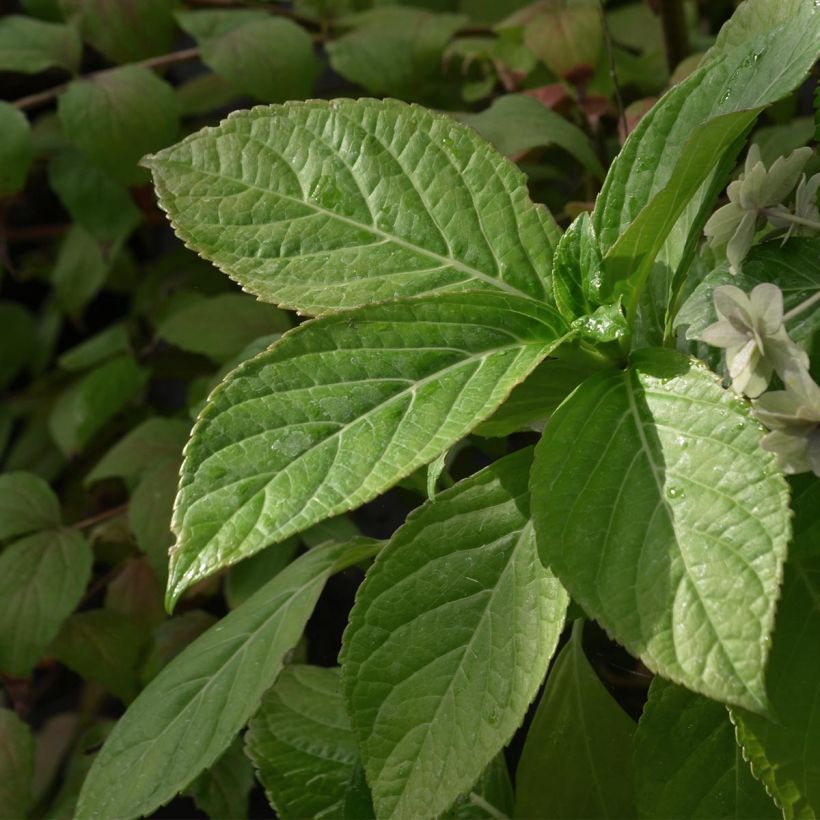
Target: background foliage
(112, 334)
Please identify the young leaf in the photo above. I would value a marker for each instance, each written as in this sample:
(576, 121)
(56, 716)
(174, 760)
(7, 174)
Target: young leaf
(269, 58)
(516, 123)
(133, 112)
(26, 503)
(189, 714)
(688, 763)
(16, 765)
(448, 641)
(785, 750)
(102, 646)
(336, 204)
(576, 270)
(42, 578)
(30, 46)
(302, 745)
(661, 514)
(577, 760)
(127, 30)
(666, 172)
(90, 403)
(223, 790)
(339, 410)
(221, 326)
(15, 149)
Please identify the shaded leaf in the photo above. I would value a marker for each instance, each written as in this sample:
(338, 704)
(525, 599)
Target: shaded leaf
(42, 578)
(16, 765)
(15, 149)
(688, 763)
(18, 340)
(224, 788)
(30, 46)
(26, 503)
(96, 349)
(577, 759)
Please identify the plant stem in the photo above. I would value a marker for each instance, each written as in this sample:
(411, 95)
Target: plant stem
(484, 805)
(99, 517)
(613, 72)
(797, 220)
(675, 32)
(183, 56)
(795, 311)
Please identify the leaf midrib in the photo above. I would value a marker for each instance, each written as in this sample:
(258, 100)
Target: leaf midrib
(448, 262)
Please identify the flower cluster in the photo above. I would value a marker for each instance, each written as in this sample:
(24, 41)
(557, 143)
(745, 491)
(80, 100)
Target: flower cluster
(756, 196)
(752, 331)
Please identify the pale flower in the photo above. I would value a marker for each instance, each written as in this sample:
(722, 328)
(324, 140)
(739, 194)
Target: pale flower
(751, 330)
(793, 416)
(805, 208)
(734, 225)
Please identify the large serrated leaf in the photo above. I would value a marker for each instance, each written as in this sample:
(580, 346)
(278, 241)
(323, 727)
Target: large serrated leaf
(42, 578)
(339, 410)
(448, 641)
(302, 745)
(664, 518)
(192, 710)
(320, 205)
(785, 750)
(688, 763)
(577, 761)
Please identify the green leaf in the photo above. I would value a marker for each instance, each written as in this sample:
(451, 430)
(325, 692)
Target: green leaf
(666, 521)
(103, 646)
(126, 30)
(221, 326)
(18, 340)
(448, 641)
(80, 269)
(153, 441)
(190, 713)
(806, 523)
(96, 349)
(15, 149)
(26, 503)
(149, 512)
(669, 168)
(516, 123)
(16, 765)
(492, 796)
(688, 763)
(42, 578)
(133, 112)
(566, 37)
(533, 401)
(302, 745)
(394, 51)
(577, 759)
(269, 58)
(85, 407)
(170, 638)
(30, 46)
(336, 204)
(136, 593)
(223, 790)
(94, 200)
(785, 750)
(338, 411)
(794, 267)
(246, 577)
(576, 270)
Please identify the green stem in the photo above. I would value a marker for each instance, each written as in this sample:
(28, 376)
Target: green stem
(797, 220)
(484, 805)
(805, 305)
